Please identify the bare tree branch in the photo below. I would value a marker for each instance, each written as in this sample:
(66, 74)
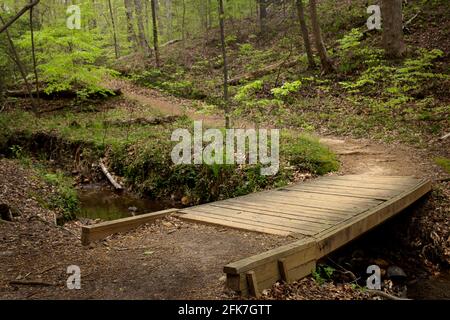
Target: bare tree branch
(18, 15)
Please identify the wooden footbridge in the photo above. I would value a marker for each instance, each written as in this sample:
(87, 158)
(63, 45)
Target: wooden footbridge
(321, 214)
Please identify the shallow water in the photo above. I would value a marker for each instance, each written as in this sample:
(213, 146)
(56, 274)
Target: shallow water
(97, 202)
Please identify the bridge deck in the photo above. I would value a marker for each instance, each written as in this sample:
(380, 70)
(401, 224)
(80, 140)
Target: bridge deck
(323, 214)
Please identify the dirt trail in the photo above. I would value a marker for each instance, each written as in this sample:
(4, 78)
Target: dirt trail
(357, 156)
(169, 259)
(164, 104)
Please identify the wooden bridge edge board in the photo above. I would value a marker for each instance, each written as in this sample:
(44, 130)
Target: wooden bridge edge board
(102, 230)
(298, 259)
(337, 236)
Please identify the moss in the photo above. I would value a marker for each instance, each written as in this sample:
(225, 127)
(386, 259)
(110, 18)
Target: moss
(444, 163)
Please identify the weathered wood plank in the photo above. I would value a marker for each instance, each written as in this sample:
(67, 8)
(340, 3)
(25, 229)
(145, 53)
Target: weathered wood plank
(295, 217)
(270, 220)
(235, 219)
(335, 205)
(235, 225)
(312, 213)
(102, 230)
(295, 193)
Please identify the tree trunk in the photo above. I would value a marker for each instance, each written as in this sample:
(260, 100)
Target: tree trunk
(141, 30)
(391, 11)
(113, 22)
(155, 33)
(327, 65)
(262, 16)
(169, 17)
(183, 23)
(20, 66)
(33, 55)
(130, 22)
(305, 34)
(225, 64)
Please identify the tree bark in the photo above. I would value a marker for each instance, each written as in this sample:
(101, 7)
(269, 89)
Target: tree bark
(327, 65)
(305, 34)
(130, 22)
(225, 64)
(33, 54)
(113, 22)
(155, 33)
(141, 30)
(262, 16)
(393, 43)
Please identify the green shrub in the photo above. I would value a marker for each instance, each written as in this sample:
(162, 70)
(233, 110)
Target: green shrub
(308, 154)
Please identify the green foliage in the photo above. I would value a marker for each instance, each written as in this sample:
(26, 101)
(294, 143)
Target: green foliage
(246, 49)
(307, 154)
(249, 90)
(21, 155)
(397, 85)
(444, 163)
(69, 59)
(65, 198)
(351, 40)
(286, 89)
(171, 80)
(323, 273)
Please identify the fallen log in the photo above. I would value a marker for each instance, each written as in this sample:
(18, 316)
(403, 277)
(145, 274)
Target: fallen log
(168, 43)
(142, 121)
(110, 177)
(261, 72)
(67, 94)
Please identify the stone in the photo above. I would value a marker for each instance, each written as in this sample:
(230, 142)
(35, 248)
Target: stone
(396, 273)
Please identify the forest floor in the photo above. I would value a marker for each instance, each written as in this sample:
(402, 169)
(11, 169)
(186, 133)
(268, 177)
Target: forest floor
(171, 259)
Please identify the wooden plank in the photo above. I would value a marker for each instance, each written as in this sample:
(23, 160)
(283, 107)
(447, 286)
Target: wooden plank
(400, 181)
(304, 249)
(235, 225)
(255, 221)
(298, 194)
(298, 260)
(371, 194)
(345, 211)
(342, 197)
(249, 216)
(104, 229)
(355, 190)
(343, 193)
(283, 269)
(253, 284)
(295, 217)
(335, 205)
(341, 234)
(312, 213)
(361, 185)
